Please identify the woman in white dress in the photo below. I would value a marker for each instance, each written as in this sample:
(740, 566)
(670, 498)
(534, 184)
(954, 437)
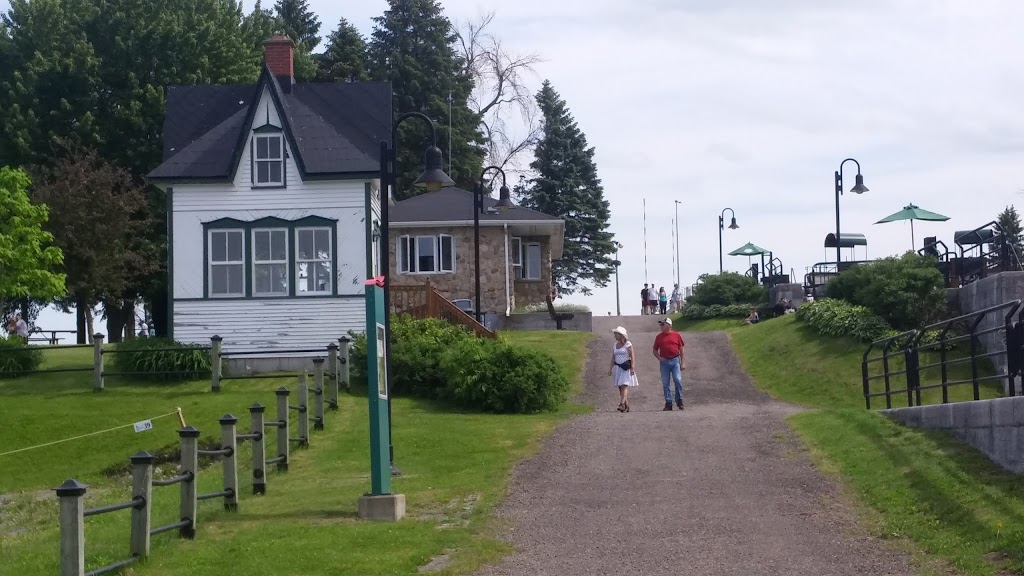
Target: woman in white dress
(623, 369)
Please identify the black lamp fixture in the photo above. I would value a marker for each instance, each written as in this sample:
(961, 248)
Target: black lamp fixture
(433, 178)
(721, 227)
(504, 202)
(858, 188)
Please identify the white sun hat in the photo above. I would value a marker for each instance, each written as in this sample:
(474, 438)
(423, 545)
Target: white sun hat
(620, 330)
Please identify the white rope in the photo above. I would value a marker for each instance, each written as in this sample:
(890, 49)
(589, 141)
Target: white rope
(178, 412)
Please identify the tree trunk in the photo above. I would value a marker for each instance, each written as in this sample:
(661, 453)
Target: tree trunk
(158, 311)
(117, 317)
(88, 322)
(80, 325)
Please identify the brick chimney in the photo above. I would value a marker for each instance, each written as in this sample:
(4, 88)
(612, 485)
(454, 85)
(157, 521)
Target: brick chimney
(278, 53)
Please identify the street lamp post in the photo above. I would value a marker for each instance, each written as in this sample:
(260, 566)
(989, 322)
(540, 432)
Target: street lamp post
(618, 305)
(858, 188)
(679, 262)
(721, 226)
(433, 178)
(504, 201)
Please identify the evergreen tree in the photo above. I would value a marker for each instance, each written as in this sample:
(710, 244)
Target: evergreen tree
(259, 25)
(413, 48)
(566, 185)
(299, 23)
(1009, 221)
(345, 57)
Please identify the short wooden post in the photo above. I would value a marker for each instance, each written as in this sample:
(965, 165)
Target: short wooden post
(215, 367)
(72, 527)
(343, 364)
(332, 376)
(318, 393)
(282, 428)
(259, 450)
(303, 410)
(142, 489)
(97, 362)
(229, 442)
(189, 465)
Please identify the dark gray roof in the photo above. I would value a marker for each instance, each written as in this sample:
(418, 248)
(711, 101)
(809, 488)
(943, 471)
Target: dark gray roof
(455, 204)
(333, 129)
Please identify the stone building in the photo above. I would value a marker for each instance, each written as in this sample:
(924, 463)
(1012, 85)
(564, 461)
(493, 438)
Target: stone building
(431, 238)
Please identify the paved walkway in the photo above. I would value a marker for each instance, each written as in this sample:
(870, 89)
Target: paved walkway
(723, 488)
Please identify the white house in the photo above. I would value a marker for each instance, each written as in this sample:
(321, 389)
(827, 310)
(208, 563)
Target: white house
(273, 206)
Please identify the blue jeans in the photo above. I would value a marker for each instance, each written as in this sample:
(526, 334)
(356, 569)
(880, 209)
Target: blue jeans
(670, 372)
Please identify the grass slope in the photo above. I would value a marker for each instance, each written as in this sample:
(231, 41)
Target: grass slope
(456, 469)
(943, 495)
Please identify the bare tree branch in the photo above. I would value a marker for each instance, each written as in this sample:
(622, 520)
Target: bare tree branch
(500, 95)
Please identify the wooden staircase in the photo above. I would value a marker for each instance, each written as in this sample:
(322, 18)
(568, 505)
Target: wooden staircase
(424, 301)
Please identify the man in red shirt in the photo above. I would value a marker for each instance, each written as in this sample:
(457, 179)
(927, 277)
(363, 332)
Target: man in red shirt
(668, 349)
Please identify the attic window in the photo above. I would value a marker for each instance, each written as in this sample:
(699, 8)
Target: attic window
(268, 160)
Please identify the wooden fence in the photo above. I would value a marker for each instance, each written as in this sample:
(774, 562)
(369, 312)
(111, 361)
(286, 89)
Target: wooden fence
(424, 301)
(337, 370)
(72, 493)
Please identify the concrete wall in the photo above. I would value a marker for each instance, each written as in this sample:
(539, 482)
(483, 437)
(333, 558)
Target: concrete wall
(988, 292)
(995, 427)
(581, 322)
(792, 292)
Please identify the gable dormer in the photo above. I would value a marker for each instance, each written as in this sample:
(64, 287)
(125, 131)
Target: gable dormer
(267, 155)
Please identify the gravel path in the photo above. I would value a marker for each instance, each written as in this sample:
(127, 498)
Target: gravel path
(723, 488)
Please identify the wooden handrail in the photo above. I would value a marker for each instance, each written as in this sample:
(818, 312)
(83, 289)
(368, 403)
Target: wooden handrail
(424, 301)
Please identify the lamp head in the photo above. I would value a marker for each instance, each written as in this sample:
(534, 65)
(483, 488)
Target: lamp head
(859, 187)
(733, 225)
(433, 177)
(504, 198)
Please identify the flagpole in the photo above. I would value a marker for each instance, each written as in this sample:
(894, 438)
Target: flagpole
(645, 240)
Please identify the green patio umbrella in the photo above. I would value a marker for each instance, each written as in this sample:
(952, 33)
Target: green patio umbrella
(911, 212)
(749, 249)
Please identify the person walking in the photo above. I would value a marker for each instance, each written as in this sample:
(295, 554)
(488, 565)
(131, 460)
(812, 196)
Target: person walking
(623, 369)
(677, 299)
(643, 301)
(652, 301)
(16, 326)
(668, 349)
(663, 300)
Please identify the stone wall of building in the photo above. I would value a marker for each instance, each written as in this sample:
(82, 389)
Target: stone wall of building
(529, 292)
(461, 283)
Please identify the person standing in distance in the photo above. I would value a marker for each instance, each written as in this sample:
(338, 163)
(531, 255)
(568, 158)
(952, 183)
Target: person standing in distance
(643, 303)
(668, 349)
(677, 299)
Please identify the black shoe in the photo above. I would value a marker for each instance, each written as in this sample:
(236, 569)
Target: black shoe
(679, 403)
(627, 407)
(667, 408)
(621, 408)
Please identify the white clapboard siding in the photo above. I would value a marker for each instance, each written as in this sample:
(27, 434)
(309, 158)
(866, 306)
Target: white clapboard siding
(284, 324)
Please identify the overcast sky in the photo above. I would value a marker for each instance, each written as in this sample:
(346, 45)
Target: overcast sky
(752, 105)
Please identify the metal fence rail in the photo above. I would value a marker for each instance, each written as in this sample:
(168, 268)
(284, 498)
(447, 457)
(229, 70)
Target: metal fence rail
(1006, 335)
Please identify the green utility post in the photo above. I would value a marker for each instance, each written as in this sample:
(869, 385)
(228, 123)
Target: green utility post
(380, 503)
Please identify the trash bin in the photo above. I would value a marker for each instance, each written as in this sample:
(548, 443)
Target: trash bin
(491, 321)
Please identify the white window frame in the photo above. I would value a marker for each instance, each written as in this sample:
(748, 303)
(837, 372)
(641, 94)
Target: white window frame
(269, 160)
(255, 262)
(299, 261)
(524, 269)
(408, 246)
(516, 251)
(210, 264)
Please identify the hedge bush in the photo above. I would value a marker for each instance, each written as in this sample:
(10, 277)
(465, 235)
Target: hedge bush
(17, 357)
(701, 312)
(726, 289)
(436, 360)
(494, 376)
(161, 360)
(831, 317)
(907, 292)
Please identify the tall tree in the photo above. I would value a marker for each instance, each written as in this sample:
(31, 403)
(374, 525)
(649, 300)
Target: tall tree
(413, 47)
(501, 97)
(566, 185)
(345, 57)
(261, 24)
(1009, 221)
(27, 255)
(103, 262)
(300, 24)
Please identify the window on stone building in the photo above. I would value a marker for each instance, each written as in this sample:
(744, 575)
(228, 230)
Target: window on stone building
(531, 262)
(426, 254)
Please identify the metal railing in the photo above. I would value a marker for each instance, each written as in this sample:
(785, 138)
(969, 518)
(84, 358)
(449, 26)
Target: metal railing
(900, 356)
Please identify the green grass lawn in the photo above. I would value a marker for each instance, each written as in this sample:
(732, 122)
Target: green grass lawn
(706, 325)
(922, 486)
(456, 469)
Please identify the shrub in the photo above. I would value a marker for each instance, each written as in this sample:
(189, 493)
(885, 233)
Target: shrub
(17, 358)
(559, 307)
(161, 360)
(906, 291)
(494, 376)
(701, 312)
(832, 317)
(726, 289)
